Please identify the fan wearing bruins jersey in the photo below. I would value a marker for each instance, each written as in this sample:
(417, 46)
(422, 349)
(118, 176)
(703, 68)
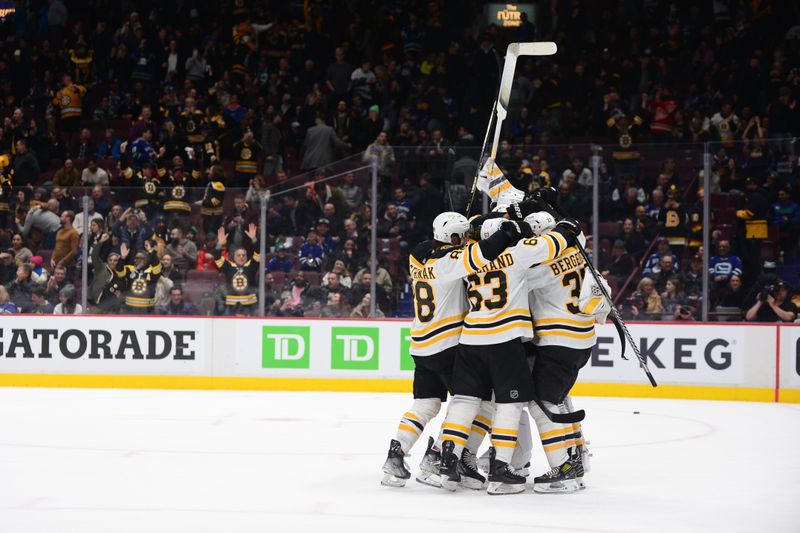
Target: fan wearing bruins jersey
(437, 269)
(211, 208)
(247, 152)
(492, 358)
(148, 197)
(177, 206)
(241, 275)
(140, 279)
(564, 316)
(192, 122)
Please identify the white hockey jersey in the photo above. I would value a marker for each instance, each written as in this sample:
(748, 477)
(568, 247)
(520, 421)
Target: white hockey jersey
(555, 290)
(440, 301)
(498, 292)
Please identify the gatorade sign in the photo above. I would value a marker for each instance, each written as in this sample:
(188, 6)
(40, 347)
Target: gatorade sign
(354, 348)
(285, 347)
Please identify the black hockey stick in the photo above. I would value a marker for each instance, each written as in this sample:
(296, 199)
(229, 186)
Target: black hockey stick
(615, 318)
(561, 418)
(480, 160)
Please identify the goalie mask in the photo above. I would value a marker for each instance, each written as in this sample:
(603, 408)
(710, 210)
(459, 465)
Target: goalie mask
(540, 222)
(450, 223)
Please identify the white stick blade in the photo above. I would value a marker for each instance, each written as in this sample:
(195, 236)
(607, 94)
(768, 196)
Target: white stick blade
(544, 48)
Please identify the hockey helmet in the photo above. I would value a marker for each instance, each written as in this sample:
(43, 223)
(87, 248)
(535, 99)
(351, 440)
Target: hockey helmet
(449, 223)
(540, 222)
(489, 227)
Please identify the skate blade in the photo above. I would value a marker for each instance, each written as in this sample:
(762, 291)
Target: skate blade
(560, 487)
(470, 483)
(427, 478)
(392, 481)
(501, 489)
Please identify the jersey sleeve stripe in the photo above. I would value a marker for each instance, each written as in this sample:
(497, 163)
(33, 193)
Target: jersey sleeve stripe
(414, 262)
(592, 305)
(438, 338)
(550, 247)
(471, 258)
(560, 239)
(557, 245)
(475, 253)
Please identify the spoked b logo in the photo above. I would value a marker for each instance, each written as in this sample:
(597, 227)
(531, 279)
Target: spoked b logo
(285, 347)
(354, 348)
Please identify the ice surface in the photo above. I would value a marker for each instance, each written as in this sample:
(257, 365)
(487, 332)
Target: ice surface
(209, 461)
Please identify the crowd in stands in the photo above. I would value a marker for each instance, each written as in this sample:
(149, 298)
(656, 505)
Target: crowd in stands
(176, 119)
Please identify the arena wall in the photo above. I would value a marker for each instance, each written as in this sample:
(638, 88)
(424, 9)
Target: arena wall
(689, 360)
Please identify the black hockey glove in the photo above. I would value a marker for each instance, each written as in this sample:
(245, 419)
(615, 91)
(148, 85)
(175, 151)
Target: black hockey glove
(569, 228)
(545, 195)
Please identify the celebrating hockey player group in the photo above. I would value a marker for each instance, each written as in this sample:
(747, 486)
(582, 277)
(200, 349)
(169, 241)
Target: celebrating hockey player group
(504, 319)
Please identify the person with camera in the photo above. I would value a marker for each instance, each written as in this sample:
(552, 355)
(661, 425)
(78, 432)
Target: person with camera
(772, 305)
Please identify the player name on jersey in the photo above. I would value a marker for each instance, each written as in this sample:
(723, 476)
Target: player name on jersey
(505, 260)
(566, 263)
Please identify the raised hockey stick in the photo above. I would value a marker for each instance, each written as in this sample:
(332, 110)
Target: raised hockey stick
(480, 161)
(500, 109)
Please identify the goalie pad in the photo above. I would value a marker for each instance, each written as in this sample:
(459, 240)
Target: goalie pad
(591, 300)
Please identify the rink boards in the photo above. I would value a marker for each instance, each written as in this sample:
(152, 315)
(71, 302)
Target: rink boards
(688, 360)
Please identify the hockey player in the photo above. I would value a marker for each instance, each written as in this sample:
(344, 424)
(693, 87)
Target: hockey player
(565, 306)
(492, 358)
(437, 268)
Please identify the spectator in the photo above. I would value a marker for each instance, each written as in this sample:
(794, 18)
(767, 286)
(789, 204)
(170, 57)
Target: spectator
(362, 309)
(93, 215)
(723, 265)
(733, 295)
(337, 76)
(280, 262)
(39, 304)
(381, 149)
(353, 194)
(56, 282)
(84, 148)
(582, 175)
(66, 302)
(382, 276)
(43, 219)
(340, 270)
(163, 287)
(786, 215)
(93, 174)
(672, 296)
(39, 275)
(634, 240)
(651, 298)
(311, 253)
(673, 221)
(25, 166)
(169, 270)
(320, 144)
(666, 271)
(21, 253)
(7, 307)
(67, 176)
(67, 242)
(132, 233)
(182, 250)
(20, 289)
(392, 224)
(772, 305)
(692, 279)
(336, 306)
(106, 286)
(177, 305)
(621, 264)
(652, 265)
(111, 147)
(333, 285)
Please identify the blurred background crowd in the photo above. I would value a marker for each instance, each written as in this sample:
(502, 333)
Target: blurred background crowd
(177, 118)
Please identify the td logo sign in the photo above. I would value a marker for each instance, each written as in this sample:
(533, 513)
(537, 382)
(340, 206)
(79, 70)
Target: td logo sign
(354, 348)
(285, 347)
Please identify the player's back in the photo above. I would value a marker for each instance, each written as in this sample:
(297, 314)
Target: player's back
(498, 293)
(439, 298)
(555, 287)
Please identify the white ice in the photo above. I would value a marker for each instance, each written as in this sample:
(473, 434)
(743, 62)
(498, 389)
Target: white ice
(209, 461)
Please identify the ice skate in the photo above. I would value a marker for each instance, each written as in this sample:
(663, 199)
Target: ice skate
(429, 466)
(448, 469)
(502, 478)
(561, 479)
(395, 468)
(471, 478)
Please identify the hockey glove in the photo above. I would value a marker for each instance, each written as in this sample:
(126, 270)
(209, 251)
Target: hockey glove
(569, 228)
(546, 195)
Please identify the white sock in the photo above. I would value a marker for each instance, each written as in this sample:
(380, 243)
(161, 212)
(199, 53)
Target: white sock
(414, 421)
(481, 426)
(456, 426)
(556, 438)
(505, 430)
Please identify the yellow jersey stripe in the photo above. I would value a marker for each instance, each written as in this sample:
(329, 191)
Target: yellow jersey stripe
(414, 262)
(434, 325)
(556, 432)
(592, 305)
(503, 431)
(484, 420)
(436, 338)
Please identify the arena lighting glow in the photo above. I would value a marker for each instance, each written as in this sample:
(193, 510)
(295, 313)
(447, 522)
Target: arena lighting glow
(509, 15)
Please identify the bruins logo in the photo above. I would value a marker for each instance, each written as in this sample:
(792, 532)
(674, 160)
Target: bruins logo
(239, 282)
(139, 286)
(178, 192)
(150, 187)
(246, 153)
(65, 100)
(625, 140)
